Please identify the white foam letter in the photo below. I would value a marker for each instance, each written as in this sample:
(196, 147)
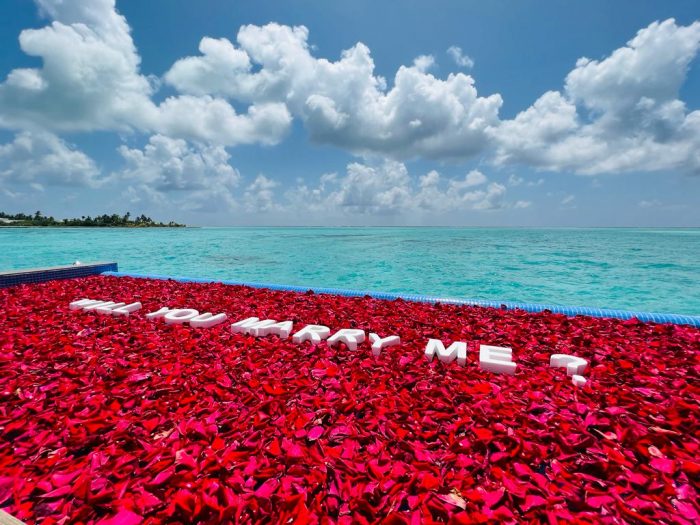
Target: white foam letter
(160, 313)
(242, 326)
(282, 329)
(350, 336)
(496, 359)
(82, 303)
(312, 332)
(378, 343)
(180, 315)
(207, 320)
(574, 365)
(578, 380)
(254, 326)
(99, 304)
(261, 328)
(126, 310)
(457, 350)
(107, 309)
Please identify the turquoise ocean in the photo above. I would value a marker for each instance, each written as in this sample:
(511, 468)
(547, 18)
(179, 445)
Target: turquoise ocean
(637, 269)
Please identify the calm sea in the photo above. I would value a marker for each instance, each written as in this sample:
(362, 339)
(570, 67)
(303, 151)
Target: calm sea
(641, 269)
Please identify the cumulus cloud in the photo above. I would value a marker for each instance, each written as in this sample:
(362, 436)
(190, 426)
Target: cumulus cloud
(260, 195)
(169, 170)
(473, 178)
(424, 62)
(36, 159)
(387, 188)
(343, 102)
(91, 80)
(618, 114)
(459, 57)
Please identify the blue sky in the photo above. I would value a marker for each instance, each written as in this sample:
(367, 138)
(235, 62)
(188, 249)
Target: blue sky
(455, 113)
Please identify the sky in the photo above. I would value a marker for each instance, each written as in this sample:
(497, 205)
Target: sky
(459, 113)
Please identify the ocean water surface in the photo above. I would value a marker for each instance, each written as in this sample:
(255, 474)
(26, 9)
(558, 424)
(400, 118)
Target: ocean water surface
(638, 269)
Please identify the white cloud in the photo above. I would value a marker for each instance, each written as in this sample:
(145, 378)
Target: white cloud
(620, 113)
(614, 115)
(424, 62)
(260, 195)
(474, 178)
(90, 80)
(214, 120)
(568, 200)
(460, 58)
(383, 189)
(653, 203)
(166, 170)
(40, 158)
(659, 205)
(387, 188)
(515, 180)
(343, 102)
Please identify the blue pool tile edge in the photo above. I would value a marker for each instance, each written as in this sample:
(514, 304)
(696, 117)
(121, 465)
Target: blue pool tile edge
(40, 275)
(528, 307)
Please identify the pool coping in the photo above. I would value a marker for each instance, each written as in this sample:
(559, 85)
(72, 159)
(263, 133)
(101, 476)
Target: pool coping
(50, 273)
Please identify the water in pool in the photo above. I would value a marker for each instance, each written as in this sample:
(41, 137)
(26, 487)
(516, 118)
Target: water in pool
(639, 269)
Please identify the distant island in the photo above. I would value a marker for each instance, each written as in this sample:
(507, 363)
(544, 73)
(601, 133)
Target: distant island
(100, 221)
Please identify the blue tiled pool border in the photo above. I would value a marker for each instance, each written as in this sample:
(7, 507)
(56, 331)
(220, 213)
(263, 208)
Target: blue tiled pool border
(529, 307)
(40, 275)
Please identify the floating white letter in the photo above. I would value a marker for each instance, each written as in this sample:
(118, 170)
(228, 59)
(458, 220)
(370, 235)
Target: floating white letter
(281, 329)
(107, 309)
(574, 365)
(578, 380)
(350, 336)
(496, 359)
(207, 320)
(126, 310)
(457, 350)
(160, 313)
(312, 332)
(82, 303)
(253, 326)
(243, 325)
(99, 304)
(180, 315)
(379, 343)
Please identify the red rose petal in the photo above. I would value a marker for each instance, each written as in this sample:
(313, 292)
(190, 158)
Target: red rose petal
(314, 433)
(532, 501)
(129, 420)
(123, 517)
(599, 501)
(664, 465)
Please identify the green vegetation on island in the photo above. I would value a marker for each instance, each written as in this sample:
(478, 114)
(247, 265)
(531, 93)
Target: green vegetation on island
(100, 221)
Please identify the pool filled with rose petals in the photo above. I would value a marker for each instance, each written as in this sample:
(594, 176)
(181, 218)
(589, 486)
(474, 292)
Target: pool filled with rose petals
(128, 420)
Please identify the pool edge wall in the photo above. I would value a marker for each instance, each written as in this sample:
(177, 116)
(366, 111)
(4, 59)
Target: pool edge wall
(40, 275)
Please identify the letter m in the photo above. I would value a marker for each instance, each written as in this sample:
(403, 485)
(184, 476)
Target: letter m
(252, 325)
(457, 350)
